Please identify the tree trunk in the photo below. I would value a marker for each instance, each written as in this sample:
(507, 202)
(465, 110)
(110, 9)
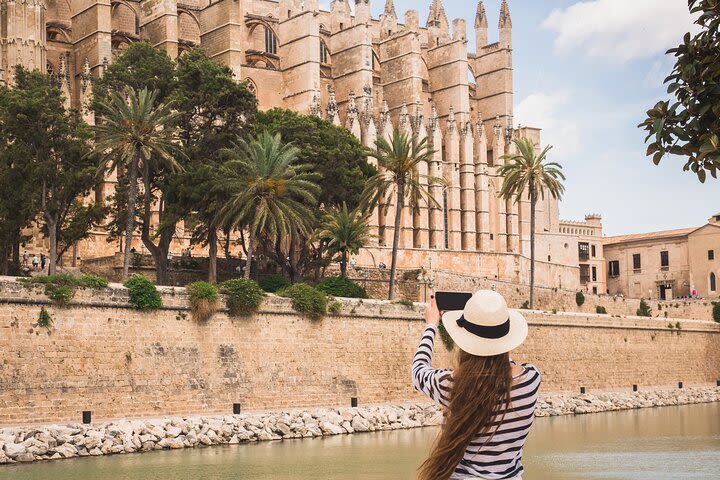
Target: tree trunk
(396, 238)
(343, 264)
(130, 223)
(292, 262)
(227, 245)
(5, 252)
(213, 250)
(250, 251)
(52, 237)
(533, 202)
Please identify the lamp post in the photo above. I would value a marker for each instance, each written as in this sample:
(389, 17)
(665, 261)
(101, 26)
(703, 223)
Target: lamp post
(425, 281)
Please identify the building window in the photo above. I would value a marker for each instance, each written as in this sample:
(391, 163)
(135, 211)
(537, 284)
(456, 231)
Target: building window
(584, 251)
(445, 218)
(137, 25)
(492, 236)
(614, 268)
(664, 261)
(637, 263)
(594, 274)
(713, 282)
(324, 52)
(593, 249)
(549, 258)
(711, 254)
(584, 274)
(270, 41)
(595, 291)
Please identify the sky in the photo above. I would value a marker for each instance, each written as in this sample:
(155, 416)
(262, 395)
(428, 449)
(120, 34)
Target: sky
(586, 72)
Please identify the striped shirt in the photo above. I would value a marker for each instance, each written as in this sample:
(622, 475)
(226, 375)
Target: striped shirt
(501, 457)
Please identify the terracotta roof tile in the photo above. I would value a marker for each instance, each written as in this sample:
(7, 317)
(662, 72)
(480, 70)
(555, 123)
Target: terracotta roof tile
(638, 237)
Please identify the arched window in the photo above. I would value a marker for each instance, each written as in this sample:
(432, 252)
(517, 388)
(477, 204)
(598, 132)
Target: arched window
(324, 53)
(270, 41)
(713, 283)
(137, 25)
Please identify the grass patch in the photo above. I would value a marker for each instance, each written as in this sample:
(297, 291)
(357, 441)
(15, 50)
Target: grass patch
(203, 300)
(243, 296)
(600, 310)
(44, 319)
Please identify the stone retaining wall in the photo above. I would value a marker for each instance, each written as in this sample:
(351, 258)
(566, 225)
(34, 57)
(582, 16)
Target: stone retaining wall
(105, 357)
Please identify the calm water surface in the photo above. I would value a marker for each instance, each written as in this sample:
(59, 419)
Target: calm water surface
(671, 443)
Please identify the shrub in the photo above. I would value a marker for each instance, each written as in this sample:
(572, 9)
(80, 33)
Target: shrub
(405, 303)
(525, 306)
(411, 275)
(307, 300)
(446, 338)
(144, 295)
(203, 300)
(580, 299)
(274, 283)
(644, 310)
(335, 308)
(600, 310)
(136, 261)
(60, 294)
(716, 312)
(92, 281)
(341, 287)
(243, 296)
(45, 320)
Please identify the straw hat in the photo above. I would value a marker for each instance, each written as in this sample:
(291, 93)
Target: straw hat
(486, 327)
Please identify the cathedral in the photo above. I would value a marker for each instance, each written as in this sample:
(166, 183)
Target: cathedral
(416, 73)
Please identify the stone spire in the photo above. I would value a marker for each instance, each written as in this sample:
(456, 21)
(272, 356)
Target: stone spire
(404, 124)
(451, 122)
(505, 25)
(437, 18)
(388, 20)
(352, 120)
(434, 118)
(332, 108)
(481, 26)
(369, 109)
(315, 107)
(362, 11)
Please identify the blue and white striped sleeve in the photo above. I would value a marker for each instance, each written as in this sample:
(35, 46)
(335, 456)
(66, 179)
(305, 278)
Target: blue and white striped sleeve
(433, 382)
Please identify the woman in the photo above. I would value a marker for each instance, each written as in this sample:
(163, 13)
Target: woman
(489, 400)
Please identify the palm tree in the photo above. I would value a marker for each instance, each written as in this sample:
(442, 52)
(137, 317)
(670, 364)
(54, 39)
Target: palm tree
(398, 162)
(269, 192)
(528, 173)
(136, 135)
(345, 232)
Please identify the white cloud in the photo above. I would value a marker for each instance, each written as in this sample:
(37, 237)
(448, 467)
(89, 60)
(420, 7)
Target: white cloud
(550, 112)
(620, 30)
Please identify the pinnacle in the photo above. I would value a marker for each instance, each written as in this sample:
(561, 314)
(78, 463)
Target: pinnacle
(390, 9)
(481, 16)
(437, 15)
(505, 15)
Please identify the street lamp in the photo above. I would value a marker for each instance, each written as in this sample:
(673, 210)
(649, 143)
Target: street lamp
(425, 281)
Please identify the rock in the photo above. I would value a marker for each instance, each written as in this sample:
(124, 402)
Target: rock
(12, 450)
(360, 424)
(25, 458)
(282, 429)
(67, 450)
(172, 432)
(331, 429)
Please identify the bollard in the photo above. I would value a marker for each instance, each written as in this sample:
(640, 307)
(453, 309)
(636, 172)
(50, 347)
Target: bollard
(680, 384)
(236, 409)
(582, 390)
(635, 388)
(86, 417)
(354, 402)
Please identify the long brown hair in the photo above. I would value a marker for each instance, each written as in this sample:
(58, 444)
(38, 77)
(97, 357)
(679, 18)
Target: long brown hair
(481, 385)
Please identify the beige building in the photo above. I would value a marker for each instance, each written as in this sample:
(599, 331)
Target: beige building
(665, 265)
(369, 75)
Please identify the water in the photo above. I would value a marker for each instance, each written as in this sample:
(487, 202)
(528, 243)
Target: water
(671, 443)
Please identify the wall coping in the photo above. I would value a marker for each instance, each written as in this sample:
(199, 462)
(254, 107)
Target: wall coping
(176, 299)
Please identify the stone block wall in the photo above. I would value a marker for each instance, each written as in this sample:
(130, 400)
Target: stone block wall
(102, 356)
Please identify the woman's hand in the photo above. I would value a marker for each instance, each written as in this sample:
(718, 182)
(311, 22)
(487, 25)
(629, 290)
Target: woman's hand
(432, 314)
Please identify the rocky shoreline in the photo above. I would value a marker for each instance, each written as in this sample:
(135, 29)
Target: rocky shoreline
(54, 442)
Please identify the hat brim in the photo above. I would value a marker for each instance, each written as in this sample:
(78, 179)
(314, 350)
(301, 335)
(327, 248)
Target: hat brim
(486, 347)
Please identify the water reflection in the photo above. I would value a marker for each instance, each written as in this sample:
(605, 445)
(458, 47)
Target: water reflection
(672, 443)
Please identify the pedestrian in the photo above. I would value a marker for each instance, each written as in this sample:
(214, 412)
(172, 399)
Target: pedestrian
(43, 261)
(26, 259)
(489, 400)
(35, 263)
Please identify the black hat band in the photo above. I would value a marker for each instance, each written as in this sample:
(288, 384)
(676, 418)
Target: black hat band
(492, 333)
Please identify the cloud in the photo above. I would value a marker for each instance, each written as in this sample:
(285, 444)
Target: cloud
(549, 111)
(620, 30)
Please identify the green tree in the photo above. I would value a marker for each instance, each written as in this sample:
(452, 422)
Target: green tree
(214, 110)
(269, 191)
(55, 143)
(690, 127)
(398, 161)
(529, 175)
(135, 134)
(332, 151)
(345, 232)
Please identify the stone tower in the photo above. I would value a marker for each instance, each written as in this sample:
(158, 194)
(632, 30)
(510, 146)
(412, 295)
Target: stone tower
(22, 36)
